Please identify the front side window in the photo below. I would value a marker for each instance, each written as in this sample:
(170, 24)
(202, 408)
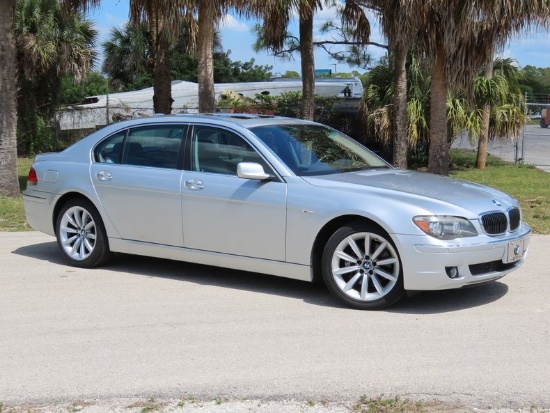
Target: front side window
(317, 150)
(219, 151)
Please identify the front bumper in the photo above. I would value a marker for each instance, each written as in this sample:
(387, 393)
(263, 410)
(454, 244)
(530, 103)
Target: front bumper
(478, 259)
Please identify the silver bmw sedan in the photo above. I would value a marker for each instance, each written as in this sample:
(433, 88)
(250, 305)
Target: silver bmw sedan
(272, 195)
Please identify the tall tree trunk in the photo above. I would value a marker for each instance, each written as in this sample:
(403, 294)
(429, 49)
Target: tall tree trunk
(207, 97)
(483, 140)
(400, 132)
(308, 64)
(9, 185)
(438, 161)
(162, 78)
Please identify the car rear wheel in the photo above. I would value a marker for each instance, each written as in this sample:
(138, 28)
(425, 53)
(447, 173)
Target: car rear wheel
(361, 267)
(81, 235)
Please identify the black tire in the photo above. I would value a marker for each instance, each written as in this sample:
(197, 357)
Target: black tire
(543, 123)
(81, 235)
(346, 263)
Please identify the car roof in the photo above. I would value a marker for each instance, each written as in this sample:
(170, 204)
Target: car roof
(229, 120)
(247, 120)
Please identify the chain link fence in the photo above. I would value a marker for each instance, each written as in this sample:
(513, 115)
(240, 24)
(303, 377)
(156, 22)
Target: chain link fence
(535, 148)
(532, 147)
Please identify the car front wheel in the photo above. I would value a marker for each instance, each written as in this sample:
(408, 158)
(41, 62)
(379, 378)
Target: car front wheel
(81, 235)
(361, 267)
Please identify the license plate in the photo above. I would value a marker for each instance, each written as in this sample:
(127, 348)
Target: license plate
(515, 250)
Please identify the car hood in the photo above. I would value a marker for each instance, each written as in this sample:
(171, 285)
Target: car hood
(435, 193)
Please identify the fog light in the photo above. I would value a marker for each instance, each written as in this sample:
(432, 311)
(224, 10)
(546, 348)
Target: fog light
(452, 272)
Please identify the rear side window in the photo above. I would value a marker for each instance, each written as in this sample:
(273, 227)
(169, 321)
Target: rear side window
(153, 146)
(110, 150)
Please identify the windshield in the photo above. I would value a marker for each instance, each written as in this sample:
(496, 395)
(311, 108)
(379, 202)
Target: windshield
(317, 150)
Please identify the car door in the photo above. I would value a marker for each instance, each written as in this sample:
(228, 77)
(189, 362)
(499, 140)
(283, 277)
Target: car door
(227, 214)
(137, 176)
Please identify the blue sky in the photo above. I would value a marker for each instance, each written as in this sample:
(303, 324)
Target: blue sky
(531, 48)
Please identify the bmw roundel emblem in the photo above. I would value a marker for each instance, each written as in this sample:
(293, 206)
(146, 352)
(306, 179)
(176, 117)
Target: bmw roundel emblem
(497, 203)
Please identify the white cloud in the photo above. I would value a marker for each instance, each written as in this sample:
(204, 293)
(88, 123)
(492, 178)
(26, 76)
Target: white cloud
(228, 22)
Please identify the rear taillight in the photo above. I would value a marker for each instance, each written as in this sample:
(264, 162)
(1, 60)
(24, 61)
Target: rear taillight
(32, 179)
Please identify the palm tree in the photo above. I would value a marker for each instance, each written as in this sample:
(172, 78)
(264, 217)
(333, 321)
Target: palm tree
(509, 17)
(307, 61)
(379, 103)
(501, 102)
(9, 185)
(455, 38)
(210, 13)
(276, 16)
(164, 20)
(458, 38)
(127, 55)
(397, 28)
(502, 93)
(50, 45)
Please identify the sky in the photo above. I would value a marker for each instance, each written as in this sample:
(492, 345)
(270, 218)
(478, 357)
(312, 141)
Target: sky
(532, 48)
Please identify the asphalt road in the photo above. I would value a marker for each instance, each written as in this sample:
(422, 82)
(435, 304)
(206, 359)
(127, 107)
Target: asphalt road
(142, 328)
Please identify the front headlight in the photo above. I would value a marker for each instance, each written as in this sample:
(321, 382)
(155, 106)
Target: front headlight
(445, 227)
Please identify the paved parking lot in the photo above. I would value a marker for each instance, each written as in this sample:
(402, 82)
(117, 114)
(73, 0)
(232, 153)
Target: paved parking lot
(145, 328)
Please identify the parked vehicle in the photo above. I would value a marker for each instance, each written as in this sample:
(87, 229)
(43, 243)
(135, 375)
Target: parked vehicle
(545, 118)
(272, 195)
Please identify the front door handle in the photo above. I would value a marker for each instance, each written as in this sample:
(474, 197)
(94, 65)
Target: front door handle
(104, 176)
(194, 184)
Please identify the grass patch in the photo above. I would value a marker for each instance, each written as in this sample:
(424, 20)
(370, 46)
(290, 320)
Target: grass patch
(530, 186)
(462, 160)
(148, 406)
(394, 405)
(23, 167)
(12, 214)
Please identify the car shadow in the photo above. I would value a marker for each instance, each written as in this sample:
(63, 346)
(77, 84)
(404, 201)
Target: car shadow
(445, 301)
(222, 277)
(46, 251)
(432, 302)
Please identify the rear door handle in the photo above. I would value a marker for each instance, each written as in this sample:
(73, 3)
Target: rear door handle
(194, 184)
(104, 176)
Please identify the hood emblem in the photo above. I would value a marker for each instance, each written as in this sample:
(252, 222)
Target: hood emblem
(497, 203)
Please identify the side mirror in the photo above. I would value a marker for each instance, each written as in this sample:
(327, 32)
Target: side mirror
(252, 170)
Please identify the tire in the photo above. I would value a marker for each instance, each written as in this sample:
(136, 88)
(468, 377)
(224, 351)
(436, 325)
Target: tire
(361, 267)
(543, 123)
(81, 235)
